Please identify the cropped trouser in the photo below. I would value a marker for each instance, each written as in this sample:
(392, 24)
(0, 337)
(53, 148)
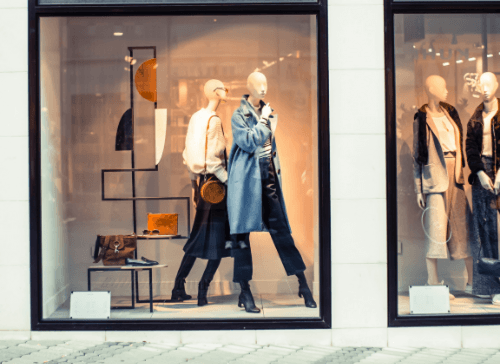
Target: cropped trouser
(275, 221)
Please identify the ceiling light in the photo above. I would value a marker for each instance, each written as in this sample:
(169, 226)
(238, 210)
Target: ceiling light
(446, 64)
(489, 55)
(472, 59)
(117, 34)
(460, 61)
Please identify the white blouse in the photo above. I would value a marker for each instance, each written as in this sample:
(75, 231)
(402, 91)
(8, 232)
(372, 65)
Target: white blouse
(446, 133)
(194, 151)
(487, 146)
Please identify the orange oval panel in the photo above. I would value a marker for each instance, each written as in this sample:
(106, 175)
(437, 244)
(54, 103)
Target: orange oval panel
(145, 80)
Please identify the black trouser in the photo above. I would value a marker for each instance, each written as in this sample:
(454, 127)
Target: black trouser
(274, 219)
(187, 264)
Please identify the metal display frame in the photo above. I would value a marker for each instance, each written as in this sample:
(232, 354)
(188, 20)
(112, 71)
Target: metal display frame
(134, 198)
(393, 8)
(318, 9)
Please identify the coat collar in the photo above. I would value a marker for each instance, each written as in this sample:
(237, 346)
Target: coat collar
(248, 109)
(447, 110)
(478, 113)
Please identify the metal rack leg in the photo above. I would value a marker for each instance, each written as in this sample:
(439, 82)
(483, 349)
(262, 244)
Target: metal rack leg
(137, 298)
(88, 279)
(150, 290)
(132, 279)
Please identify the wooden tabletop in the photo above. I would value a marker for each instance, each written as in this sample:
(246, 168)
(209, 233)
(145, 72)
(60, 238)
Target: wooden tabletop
(157, 236)
(128, 267)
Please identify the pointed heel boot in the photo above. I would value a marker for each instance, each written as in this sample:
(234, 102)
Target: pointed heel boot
(202, 297)
(305, 292)
(246, 299)
(202, 293)
(179, 291)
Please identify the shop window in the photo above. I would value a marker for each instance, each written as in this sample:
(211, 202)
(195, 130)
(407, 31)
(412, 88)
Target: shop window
(446, 78)
(117, 96)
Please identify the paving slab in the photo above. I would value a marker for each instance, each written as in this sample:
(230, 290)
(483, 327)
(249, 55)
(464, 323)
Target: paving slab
(55, 352)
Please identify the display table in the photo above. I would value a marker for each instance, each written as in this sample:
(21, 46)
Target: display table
(132, 269)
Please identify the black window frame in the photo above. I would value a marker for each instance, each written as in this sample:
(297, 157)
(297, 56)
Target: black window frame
(393, 8)
(35, 12)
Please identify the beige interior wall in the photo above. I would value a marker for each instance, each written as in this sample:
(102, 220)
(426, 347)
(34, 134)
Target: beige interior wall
(55, 252)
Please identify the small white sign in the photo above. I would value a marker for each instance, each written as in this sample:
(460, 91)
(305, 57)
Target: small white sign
(90, 305)
(429, 300)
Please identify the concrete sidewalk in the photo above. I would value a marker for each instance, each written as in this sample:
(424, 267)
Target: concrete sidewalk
(28, 352)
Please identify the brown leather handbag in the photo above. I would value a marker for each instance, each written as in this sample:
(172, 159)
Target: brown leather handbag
(213, 190)
(114, 249)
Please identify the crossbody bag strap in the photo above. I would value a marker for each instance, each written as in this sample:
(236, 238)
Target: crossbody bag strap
(206, 145)
(225, 155)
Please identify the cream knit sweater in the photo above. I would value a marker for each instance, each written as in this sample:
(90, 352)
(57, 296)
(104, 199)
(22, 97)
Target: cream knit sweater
(194, 151)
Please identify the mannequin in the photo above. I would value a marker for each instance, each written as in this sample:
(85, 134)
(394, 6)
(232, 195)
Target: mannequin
(255, 199)
(438, 173)
(483, 158)
(204, 155)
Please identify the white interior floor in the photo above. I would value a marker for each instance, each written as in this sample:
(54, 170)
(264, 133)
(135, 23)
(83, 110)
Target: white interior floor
(271, 305)
(463, 304)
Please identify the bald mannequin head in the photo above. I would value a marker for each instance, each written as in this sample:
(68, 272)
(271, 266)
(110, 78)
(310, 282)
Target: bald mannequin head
(214, 90)
(257, 85)
(489, 86)
(435, 87)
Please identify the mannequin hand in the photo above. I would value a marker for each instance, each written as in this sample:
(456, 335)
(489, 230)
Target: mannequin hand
(497, 183)
(266, 111)
(420, 201)
(485, 181)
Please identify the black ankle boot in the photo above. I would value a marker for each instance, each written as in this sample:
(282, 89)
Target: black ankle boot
(179, 291)
(202, 292)
(305, 292)
(246, 298)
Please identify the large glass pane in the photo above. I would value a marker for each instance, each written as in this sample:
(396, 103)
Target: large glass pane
(447, 137)
(119, 93)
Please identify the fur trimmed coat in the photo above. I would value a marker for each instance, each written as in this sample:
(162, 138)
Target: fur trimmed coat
(429, 166)
(474, 141)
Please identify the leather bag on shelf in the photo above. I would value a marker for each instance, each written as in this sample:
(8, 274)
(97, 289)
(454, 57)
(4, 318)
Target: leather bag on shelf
(167, 224)
(114, 249)
(213, 190)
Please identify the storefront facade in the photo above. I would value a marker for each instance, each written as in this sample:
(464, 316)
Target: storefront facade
(351, 118)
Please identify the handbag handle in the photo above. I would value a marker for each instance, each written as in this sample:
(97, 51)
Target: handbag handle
(206, 146)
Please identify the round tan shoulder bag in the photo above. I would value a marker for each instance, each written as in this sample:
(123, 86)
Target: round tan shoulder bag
(213, 190)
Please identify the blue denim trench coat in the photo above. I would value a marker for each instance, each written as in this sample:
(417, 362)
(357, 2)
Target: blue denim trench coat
(244, 186)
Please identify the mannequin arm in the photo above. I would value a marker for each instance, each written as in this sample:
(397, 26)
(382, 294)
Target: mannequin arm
(194, 192)
(421, 201)
(248, 139)
(485, 181)
(417, 168)
(473, 152)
